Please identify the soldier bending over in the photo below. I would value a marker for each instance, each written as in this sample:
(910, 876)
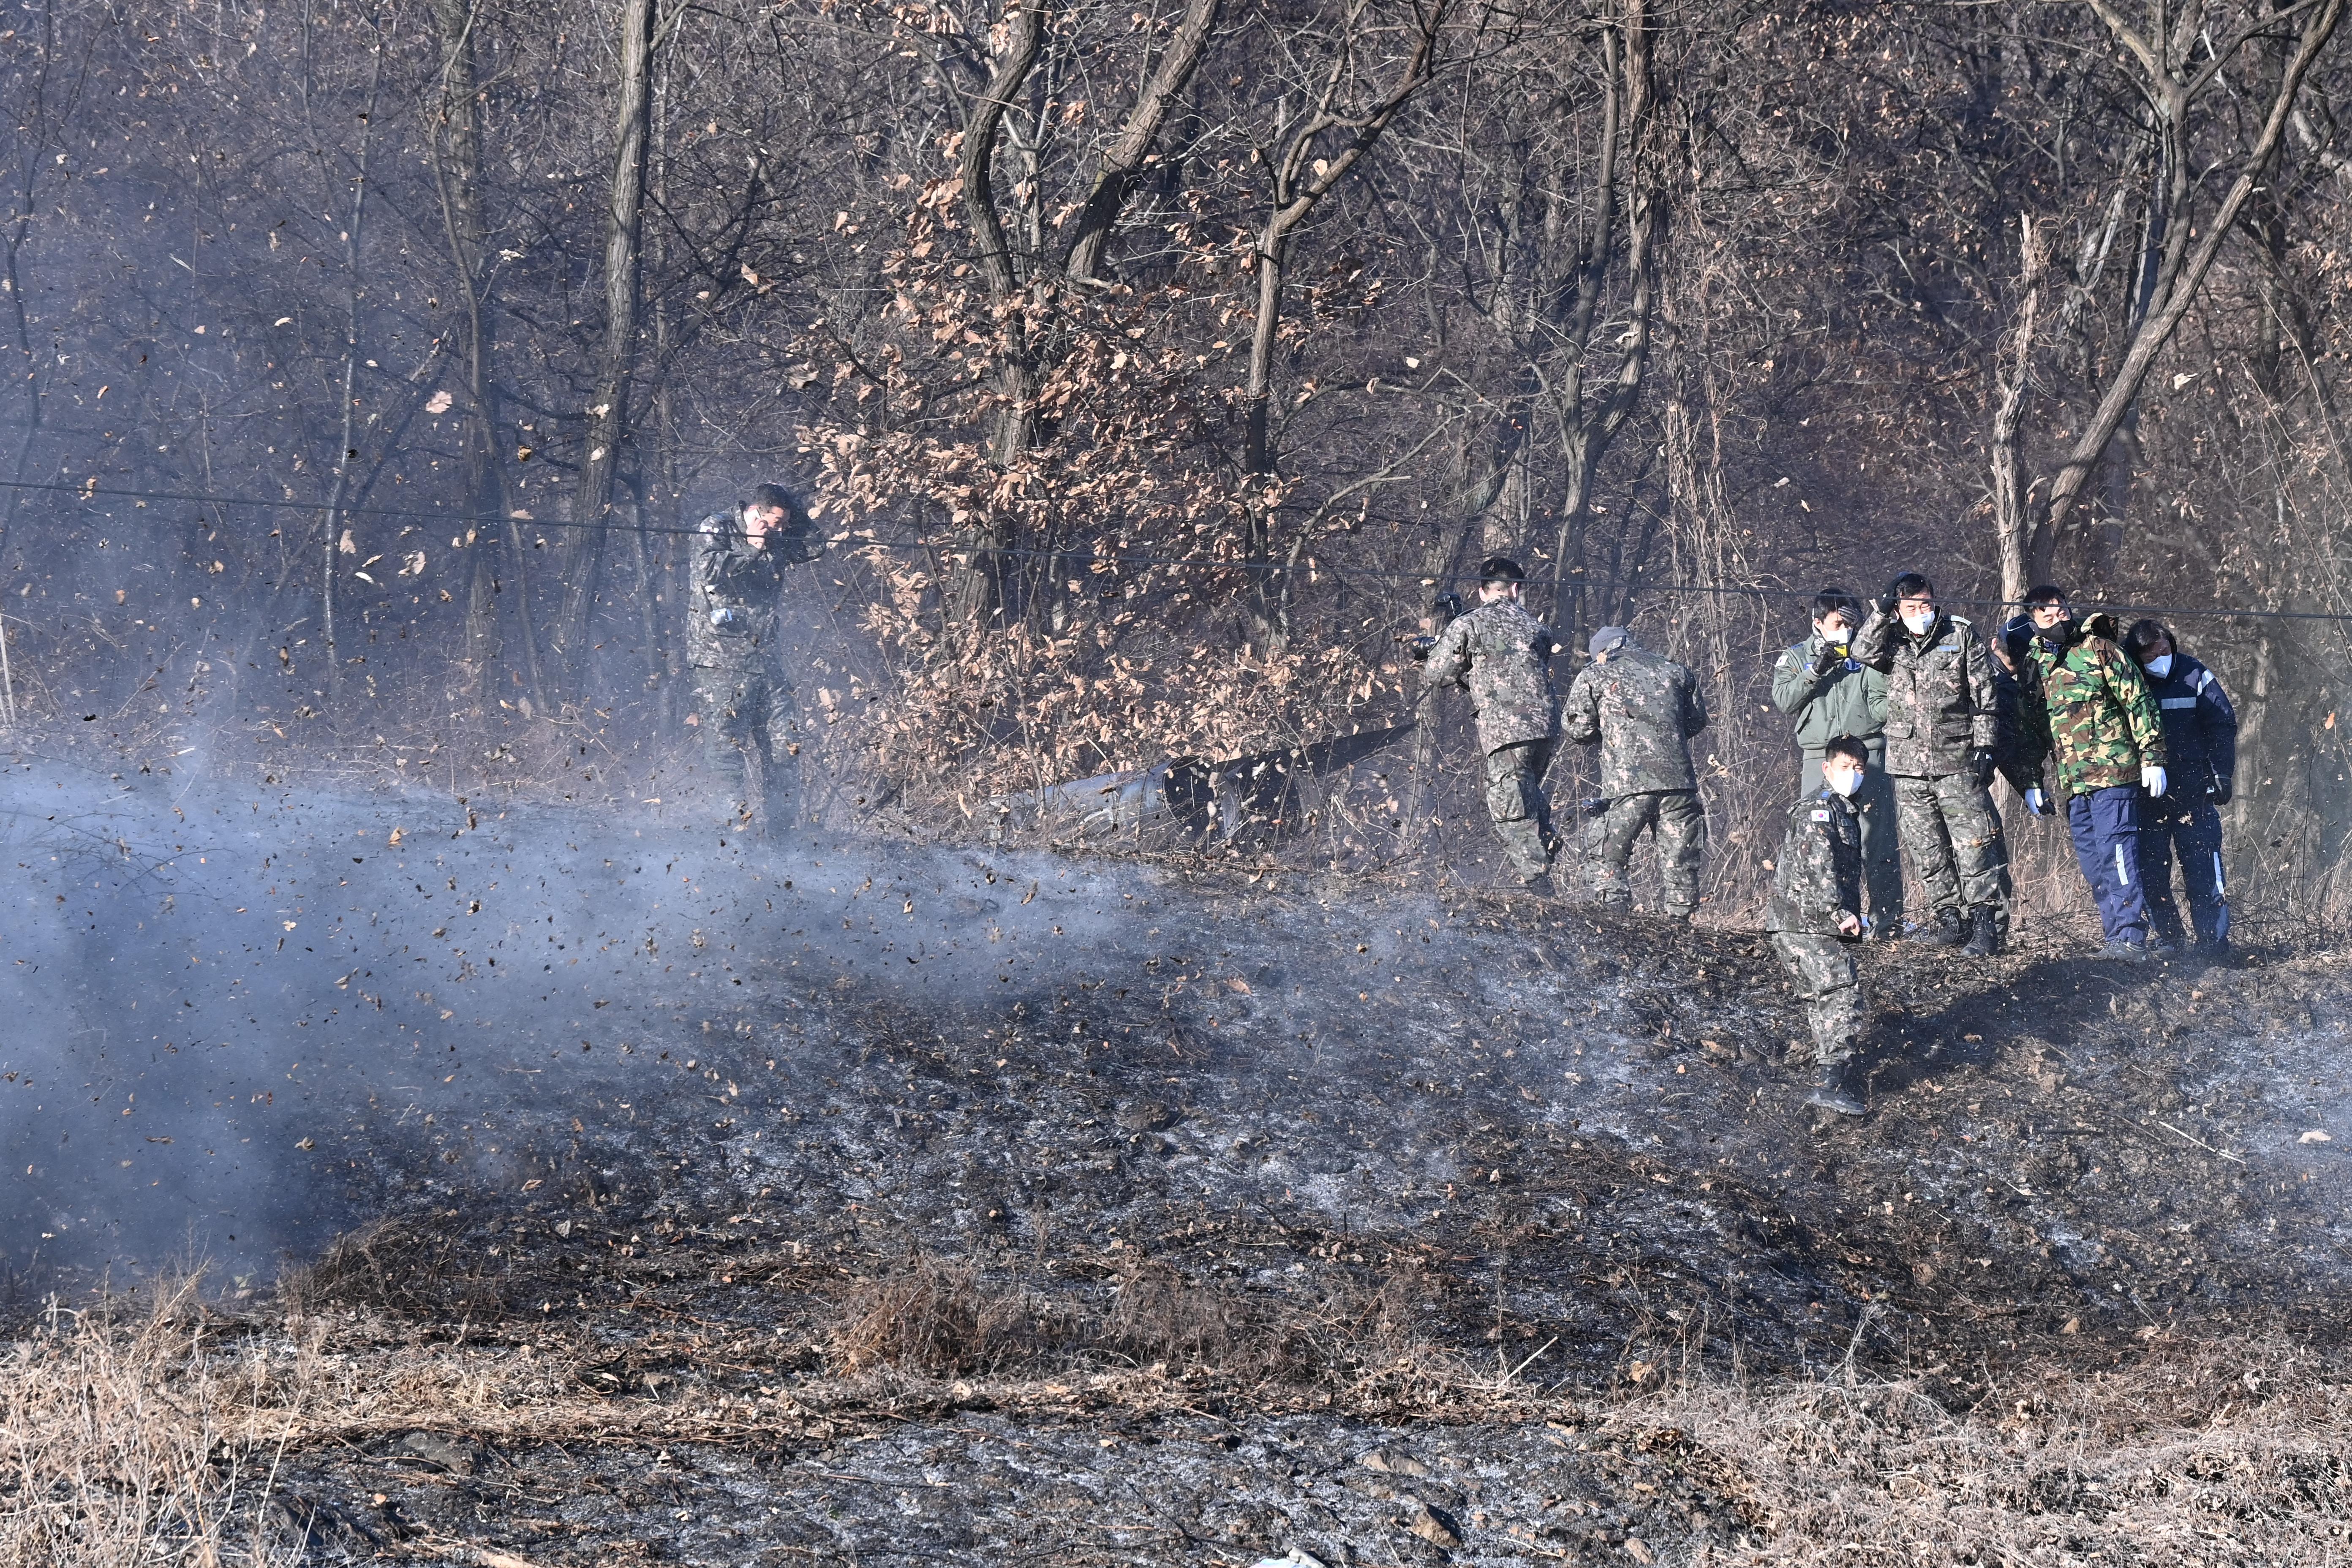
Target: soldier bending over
(1642, 709)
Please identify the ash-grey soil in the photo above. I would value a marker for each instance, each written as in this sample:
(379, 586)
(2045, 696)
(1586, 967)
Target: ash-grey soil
(593, 1075)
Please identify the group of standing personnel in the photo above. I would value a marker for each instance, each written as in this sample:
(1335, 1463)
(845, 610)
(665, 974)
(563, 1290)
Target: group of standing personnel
(1903, 716)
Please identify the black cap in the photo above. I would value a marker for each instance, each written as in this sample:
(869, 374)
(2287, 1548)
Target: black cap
(1501, 569)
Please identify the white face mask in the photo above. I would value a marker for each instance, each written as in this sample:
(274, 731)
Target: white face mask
(1918, 622)
(1844, 782)
(2160, 665)
(1835, 636)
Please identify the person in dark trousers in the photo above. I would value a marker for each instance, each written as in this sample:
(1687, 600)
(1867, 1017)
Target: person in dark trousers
(2200, 749)
(1828, 692)
(2086, 708)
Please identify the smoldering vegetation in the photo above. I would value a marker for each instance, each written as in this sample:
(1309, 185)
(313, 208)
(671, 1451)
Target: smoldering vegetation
(940, 1197)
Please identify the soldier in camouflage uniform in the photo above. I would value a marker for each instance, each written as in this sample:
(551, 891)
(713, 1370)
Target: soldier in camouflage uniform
(1942, 735)
(1828, 692)
(2086, 705)
(743, 699)
(1815, 913)
(1642, 709)
(1502, 656)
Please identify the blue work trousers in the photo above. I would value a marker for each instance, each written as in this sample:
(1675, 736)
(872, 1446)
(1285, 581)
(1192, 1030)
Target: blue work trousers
(2193, 832)
(2105, 825)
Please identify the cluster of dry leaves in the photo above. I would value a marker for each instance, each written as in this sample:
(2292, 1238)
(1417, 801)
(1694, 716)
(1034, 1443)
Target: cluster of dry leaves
(1075, 577)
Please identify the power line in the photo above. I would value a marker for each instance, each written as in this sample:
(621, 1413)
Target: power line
(1077, 561)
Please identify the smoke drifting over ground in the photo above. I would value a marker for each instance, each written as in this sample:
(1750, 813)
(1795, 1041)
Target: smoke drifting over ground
(733, 1154)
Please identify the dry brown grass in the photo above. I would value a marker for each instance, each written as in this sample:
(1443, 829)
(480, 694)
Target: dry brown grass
(126, 1440)
(2230, 1453)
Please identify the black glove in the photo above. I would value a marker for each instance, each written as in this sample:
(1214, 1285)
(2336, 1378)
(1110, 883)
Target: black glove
(1596, 807)
(1980, 764)
(1828, 659)
(2222, 790)
(1419, 647)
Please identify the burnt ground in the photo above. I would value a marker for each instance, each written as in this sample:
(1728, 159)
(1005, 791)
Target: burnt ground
(833, 1201)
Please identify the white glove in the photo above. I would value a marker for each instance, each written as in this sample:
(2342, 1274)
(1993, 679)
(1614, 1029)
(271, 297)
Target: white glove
(2151, 779)
(2037, 803)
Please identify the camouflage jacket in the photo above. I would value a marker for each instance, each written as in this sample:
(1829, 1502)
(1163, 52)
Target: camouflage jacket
(1941, 703)
(732, 608)
(1503, 655)
(1851, 700)
(1819, 872)
(1642, 709)
(2086, 705)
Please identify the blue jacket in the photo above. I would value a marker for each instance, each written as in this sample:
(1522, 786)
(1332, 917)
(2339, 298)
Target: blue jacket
(2200, 728)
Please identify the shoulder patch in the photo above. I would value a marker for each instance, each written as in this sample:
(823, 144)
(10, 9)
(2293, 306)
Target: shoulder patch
(1821, 813)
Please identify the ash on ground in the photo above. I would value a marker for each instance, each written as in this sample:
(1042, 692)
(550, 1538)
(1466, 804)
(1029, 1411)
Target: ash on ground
(851, 1202)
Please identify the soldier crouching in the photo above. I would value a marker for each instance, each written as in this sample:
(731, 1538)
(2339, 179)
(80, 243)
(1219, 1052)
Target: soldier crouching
(1815, 916)
(743, 700)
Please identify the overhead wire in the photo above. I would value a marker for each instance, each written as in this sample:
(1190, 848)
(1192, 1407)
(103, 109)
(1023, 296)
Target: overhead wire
(1085, 560)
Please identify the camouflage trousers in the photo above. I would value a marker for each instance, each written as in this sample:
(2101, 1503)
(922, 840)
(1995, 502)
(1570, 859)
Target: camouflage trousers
(1953, 836)
(1515, 799)
(750, 742)
(1675, 819)
(1824, 970)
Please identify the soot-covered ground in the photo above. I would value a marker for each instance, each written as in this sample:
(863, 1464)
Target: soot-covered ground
(927, 1204)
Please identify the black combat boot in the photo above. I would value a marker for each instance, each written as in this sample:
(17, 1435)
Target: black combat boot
(1984, 933)
(1948, 930)
(1833, 1092)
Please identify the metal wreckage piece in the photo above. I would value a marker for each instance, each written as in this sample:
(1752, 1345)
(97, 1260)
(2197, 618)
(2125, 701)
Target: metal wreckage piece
(1190, 798)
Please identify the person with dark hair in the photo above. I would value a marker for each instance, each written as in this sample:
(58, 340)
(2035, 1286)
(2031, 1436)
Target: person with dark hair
(1829, 692)
(2200, 749)
(2086, 707)
(1816, 914)
(1640, 709)
(1942, 738)
(1502, 656)
(743, 700)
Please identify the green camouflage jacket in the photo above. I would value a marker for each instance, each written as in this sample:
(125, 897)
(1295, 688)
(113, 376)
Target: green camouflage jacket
(1851, 700)
(2086, 706)
(1941, 702)
(732, 607)
(1819, 872)
(1642, 709)
(1503, 655)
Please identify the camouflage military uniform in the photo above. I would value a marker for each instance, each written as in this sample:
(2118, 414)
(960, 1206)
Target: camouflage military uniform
(743, 700)
(1503, 655)
(1642, 709)
(1817, 876)
(1850, 700)
(1942, 705)
(2087, 705)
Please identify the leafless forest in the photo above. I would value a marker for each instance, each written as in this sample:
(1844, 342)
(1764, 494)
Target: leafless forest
(1151, 368)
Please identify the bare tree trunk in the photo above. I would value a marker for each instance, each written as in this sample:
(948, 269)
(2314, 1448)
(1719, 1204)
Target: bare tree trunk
(1625, 186)
(2180, 272)
(457, 175)
(2012, 378)
(1132, 152)
(975, 593)
(345, 453)
(608, 415)
(1299, 188)
(20, 220)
